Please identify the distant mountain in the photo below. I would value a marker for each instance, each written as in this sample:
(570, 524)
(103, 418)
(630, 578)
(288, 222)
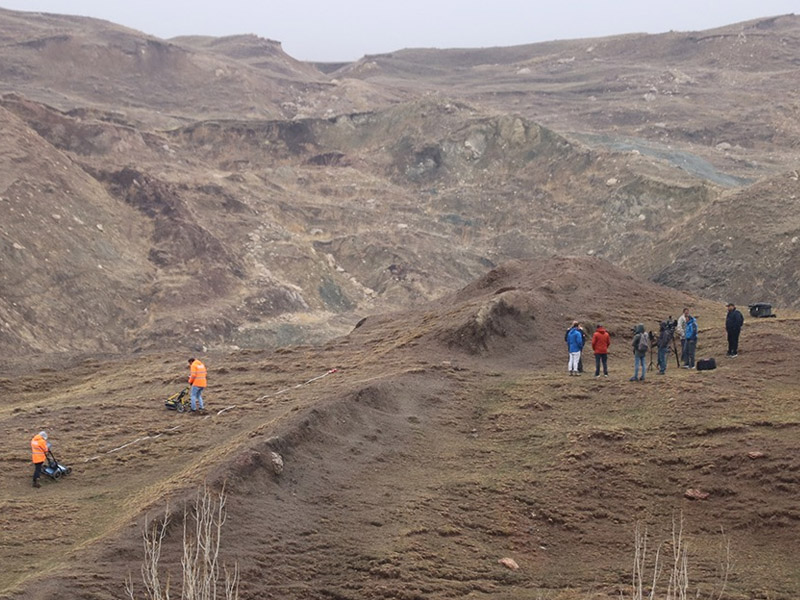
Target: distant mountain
(214, 192)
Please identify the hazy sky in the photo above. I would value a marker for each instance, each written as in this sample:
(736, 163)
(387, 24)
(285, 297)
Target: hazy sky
(337, 30)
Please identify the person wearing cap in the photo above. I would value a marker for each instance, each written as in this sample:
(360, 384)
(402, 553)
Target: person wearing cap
(733, 326)
(39, 449)
(197, 379)
(601, 340)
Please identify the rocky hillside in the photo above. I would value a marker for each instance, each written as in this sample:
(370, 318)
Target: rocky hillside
(235, 197)
(726, 94)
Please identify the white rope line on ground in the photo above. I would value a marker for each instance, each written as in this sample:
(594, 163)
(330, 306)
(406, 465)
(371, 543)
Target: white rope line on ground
(284, 390)
(176, 427)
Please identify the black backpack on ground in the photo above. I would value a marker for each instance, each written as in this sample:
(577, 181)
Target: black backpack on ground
(706, 364)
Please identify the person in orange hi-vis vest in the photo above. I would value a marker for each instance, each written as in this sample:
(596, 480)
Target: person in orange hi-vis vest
(39, 449)
(197, 379)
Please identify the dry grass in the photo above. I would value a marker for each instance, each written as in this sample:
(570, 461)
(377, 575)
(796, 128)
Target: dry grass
(202, 576)
(654, 568)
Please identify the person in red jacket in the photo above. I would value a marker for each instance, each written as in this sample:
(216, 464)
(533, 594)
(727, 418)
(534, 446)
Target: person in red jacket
(197, 379)
(39, 450)
(601, 340)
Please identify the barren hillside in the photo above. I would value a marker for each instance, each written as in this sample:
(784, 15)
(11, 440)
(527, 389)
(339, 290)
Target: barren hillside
(726, 95)
(377, 262)
(448, 438)
(245, 231)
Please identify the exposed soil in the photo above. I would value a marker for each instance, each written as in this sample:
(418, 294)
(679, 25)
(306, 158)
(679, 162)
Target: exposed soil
(427, 456)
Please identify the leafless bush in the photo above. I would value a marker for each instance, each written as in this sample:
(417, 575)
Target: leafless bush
(648, 570)
(202, 529)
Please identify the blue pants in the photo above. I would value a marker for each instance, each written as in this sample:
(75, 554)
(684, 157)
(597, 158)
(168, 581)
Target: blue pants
(662, 359)
(598, 358)
(638, 360)
(196, 398)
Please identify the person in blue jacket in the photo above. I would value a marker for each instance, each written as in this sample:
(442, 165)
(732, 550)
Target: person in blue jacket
(691, 342)
(574, 339)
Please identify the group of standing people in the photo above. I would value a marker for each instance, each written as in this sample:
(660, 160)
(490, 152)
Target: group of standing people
(685, 327)
(576, 340)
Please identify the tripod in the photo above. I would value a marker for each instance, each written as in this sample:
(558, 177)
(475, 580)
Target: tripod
(675, 350)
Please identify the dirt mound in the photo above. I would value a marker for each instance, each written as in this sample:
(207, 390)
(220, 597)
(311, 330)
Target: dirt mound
(517, 313)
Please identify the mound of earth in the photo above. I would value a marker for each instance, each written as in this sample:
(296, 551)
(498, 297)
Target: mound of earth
(519, 312)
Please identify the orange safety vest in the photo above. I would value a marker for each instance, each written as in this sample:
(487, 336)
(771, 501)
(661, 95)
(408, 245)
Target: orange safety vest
(198, 374)
(39, 449)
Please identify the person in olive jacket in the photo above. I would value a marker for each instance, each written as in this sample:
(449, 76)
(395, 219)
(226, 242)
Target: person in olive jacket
(641, 343)
(601, 340)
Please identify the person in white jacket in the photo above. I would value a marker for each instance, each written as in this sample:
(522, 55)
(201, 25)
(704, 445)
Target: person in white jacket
(680, 329)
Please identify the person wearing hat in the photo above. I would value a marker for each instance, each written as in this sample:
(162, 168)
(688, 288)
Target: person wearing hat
(39, 449)
(733, 325)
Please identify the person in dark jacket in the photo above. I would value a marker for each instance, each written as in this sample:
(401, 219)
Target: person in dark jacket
(733, 325)
(640, 347)
(691, 342)
(601, 340)
(665, 336)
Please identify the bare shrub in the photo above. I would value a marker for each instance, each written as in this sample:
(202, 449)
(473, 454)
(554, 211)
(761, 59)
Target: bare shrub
(647, 571)
(202, 576)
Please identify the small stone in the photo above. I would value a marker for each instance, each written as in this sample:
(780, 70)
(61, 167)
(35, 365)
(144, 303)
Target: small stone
(509, 562)
(694, 494)
(99, 226)
(277, 463)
